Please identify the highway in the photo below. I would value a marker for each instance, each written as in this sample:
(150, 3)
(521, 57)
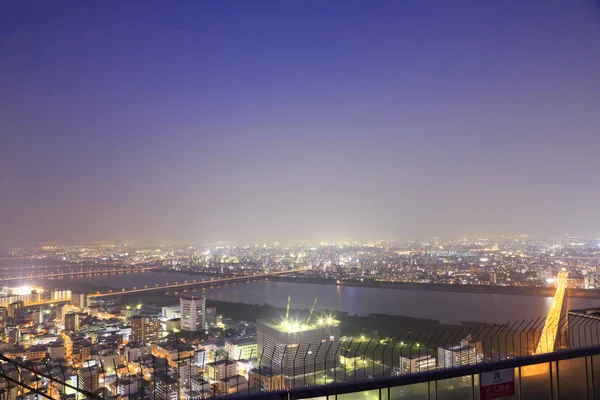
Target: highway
(186, 284)
(82, 273)
(548, 336)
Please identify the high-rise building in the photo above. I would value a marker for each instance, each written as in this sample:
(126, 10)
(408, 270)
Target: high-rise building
(14, 336)
(89, 378)
(493, 278)
(79, 300)
(193, 315)
(145, 329)
(12, 307)
(72, 322)
(281, 341)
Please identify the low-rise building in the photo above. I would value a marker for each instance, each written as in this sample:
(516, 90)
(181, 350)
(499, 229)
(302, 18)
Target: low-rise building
(217, 370)
(241, 348)
(233, 384)
(417, 363)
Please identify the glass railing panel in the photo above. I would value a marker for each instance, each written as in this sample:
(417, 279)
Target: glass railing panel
(572, 379)
(460, 388)
(417, 391)
(535, 381)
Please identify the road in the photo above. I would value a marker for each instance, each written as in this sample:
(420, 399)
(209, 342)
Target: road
(548, 336)
(192, 284)
(82, 273)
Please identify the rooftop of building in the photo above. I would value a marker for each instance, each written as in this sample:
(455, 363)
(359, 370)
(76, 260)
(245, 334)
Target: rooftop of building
(218, 343)
(294, 325)
(175, 346)
(224, 361)
(460, 347)
(162, 377)
(263, 370)
(234, 379)
(191, 298)
(142, 316)
(595, 312)
(241, 341)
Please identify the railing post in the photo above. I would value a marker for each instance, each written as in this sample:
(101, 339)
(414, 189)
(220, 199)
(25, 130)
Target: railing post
(335, 358)
(262, 353)
(304, 366)
(315, 363)
(383, 356)
(325, 361)
(373, 356)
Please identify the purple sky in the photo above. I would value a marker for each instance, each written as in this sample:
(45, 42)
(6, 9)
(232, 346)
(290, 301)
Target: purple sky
(268, 120)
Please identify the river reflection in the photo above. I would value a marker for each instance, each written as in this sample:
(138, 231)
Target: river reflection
(447, 307)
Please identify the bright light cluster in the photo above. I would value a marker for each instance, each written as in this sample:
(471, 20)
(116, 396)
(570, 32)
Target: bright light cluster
(292, 326)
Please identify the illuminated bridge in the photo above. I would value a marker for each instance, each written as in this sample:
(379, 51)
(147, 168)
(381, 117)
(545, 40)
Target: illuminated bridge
(548, 335)
(187, 284)
(83, 272)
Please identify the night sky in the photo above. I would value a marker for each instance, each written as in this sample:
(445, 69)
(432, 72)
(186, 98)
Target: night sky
(284, 120)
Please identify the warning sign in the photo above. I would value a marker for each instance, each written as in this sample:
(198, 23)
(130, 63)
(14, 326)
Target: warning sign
(497, 384)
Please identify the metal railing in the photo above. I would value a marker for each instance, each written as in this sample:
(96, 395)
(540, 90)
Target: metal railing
(299, 366)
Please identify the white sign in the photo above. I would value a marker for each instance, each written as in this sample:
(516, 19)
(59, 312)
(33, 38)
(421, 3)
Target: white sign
(497, 384)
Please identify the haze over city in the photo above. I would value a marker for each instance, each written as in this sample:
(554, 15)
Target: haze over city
(205, 121)
(309, 199)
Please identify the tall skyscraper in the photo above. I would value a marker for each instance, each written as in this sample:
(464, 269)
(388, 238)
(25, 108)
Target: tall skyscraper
(145, 329)
(79, 300)
(193, 314)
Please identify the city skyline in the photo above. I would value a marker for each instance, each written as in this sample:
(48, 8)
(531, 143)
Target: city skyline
(306, 121)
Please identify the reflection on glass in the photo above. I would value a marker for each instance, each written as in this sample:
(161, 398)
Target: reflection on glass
(535, 381)
(572, 379)
(455, 388)
(417, 391)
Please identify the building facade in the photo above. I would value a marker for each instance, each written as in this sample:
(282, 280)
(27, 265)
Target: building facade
(145, 329)
(294, 348)
(193, 314)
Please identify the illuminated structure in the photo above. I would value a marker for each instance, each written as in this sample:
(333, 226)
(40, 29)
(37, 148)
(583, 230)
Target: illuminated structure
(297, 347)
(417, 363)
(145, 329)
(241, 349)
(458, 355)
(193, 314)
(548, 336)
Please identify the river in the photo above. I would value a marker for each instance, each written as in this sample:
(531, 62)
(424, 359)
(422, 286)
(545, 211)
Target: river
(446, 307)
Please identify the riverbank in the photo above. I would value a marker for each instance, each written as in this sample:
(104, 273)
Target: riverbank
(440, 287)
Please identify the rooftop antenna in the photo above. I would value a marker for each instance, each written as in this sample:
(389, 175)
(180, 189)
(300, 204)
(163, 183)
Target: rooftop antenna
(311, 311)
(287, 312)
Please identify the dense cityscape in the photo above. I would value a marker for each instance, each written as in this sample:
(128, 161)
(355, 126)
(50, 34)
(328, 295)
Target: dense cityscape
(505, 261)
(299, 200)
(130, 343)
